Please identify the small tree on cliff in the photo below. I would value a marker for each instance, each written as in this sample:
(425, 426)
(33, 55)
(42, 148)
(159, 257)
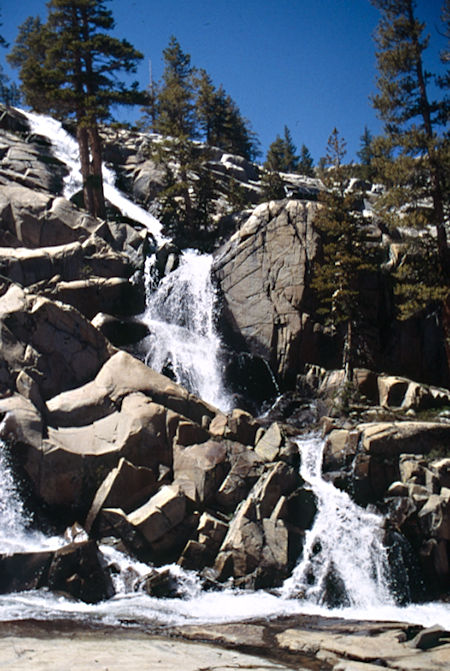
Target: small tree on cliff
(281, 155)
(346, 256)
(220, 120)
(176, 121)
(68, 66)
(306, 162)
(413, 156)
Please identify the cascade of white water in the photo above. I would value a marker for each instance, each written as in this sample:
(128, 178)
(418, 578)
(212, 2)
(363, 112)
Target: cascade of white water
(343, 550)
(183, 340)
(14, 520)
(66, 150)
(180, 312)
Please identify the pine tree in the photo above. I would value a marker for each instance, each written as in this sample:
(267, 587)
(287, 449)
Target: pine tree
(176, 103)
(290, 159)
(366, 155)
(413, 155)
(68, 66)
(346, 256)
(281, 155)
(306, 162)
(234, 133)
(177, 122)
(209, 109)
(275, 153)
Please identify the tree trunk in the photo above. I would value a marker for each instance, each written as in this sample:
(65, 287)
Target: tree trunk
(96, 178)
(83, 145)
(347, 354)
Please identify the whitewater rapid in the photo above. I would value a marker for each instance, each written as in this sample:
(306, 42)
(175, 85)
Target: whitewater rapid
(130, 607)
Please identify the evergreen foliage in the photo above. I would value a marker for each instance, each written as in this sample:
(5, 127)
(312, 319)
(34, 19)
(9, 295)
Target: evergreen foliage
(186, 200)
(281, 155)
(272, 186)
(220, 121)
(413, 157)
(176, 103)
(346, 254)
(306, 162)
(366, 155)
(68, 66)
(188, 107)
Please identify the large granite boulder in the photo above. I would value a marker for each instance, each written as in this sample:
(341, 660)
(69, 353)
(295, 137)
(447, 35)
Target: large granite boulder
(72, 261)
(49, 343)
(128, 411)
(263, 273)
(37, 219)
(258, 549)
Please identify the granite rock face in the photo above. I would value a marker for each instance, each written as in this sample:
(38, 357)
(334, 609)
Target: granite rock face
(263, 273)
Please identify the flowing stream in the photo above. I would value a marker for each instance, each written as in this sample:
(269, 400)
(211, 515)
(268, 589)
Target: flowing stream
(343, 557)
(183, 341)
(363, 580)
(343, 560)
(65, 148)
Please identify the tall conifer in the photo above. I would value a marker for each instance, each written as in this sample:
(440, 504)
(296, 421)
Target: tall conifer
(346, 256)
(68, 66)
(414, 152)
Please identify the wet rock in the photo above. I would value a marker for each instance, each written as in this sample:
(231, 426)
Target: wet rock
(120, 332)
(125, 487)
(51, 342)
(78, 570)
(123, 375)
(202, 550)
(94, 294)
(393, 438)
(430, 637)
(441, 468)
(434, 516)
(255, 273)
(340, 449)
(37, 219)
(23, 571)
(256, 547)
(161, 584)
(268, 446)
(246, 467)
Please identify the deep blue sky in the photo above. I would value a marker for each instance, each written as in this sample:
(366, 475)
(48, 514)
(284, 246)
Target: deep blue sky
(309, 64)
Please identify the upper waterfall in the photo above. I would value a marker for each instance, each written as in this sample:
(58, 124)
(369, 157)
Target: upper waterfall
(65, 148)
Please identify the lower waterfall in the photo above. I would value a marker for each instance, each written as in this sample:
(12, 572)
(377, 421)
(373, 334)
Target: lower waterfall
(344, 559)
(367, 595)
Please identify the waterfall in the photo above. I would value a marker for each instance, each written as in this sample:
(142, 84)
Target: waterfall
(13, 519)
(344, 560)
(65, 148)
(183, 341)
(180, 312)
(15, 535)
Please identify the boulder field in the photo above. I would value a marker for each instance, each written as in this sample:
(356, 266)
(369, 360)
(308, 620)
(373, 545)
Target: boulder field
(100, 441)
